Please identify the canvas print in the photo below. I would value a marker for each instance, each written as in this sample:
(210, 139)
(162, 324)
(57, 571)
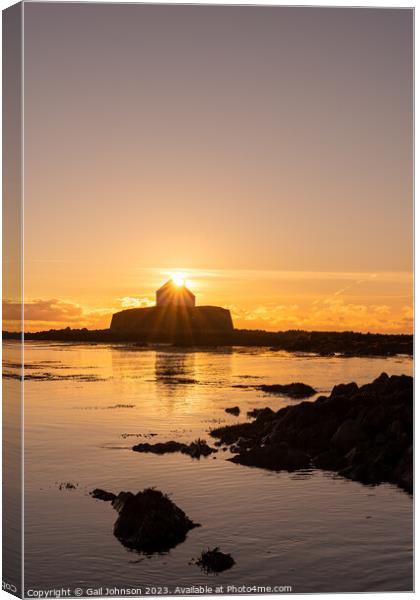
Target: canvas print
(207, 299)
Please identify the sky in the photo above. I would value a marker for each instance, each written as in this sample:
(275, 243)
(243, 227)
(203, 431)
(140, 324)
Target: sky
(265, 152)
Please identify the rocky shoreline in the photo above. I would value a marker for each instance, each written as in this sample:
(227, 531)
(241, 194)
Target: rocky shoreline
(363, 433)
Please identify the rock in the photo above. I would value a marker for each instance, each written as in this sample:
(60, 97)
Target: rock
(196, 449)
(147, 521)
(373, 420)
(380, 439)
(241, 444)
(103, 495)
(215, 561)
(275, 436)
(365, 433)
(344, 389)
(381, 381)
(159, 447)
(275, 458)
(348, 435)
(229, 434)
(263, 414)
(293, 390)
(396, 427)
(234, 410)
(403, 472)
(327, 460)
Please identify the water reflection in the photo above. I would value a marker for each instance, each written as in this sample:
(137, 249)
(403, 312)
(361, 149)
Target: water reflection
(175, 368)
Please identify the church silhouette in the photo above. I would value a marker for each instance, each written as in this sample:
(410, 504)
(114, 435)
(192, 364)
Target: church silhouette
(175, 318)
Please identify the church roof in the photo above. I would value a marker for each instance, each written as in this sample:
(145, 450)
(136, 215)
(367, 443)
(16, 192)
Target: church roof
(179, 289)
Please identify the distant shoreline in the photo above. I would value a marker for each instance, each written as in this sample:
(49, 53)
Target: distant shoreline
(323, 343)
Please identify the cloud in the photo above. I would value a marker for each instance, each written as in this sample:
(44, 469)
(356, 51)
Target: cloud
(53, 313)
(135, 301)
(332, 314)
(269, 316)
(335, 313)
(42, 310)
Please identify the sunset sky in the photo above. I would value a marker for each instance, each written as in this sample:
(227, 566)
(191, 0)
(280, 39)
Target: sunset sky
(264, 152)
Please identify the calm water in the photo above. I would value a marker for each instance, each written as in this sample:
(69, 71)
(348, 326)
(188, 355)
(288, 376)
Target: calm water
(310, 530)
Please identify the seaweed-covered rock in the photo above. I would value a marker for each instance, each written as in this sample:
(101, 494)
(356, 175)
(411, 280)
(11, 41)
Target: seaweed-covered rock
(103, 495)
(148, 521)
(293, 390)
(233, 410)
(365, 433)
(196, 449)
(229, 434)
(159, 447)
(215, 561)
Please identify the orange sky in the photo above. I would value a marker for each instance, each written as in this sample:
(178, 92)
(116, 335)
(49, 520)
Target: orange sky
(266, 152)
(272, 300)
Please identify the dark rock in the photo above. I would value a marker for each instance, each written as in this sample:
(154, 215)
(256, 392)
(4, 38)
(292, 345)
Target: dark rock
(263, 414)
(277, 457)
(381, 381)
(396, 427)
(380, 438)
(294, 390)
(215, 561)
(229, 434)
(373, 419)
(344, 389)
(241, 444)
(234, 410)
(348, 435)
(196, 449)
(103, 495)
(159, 447)
(403, 472)
(149, 521)
(328, 460)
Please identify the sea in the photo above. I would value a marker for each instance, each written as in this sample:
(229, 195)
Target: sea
(86, 405)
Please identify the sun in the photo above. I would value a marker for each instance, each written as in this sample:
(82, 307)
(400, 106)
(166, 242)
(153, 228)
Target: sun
(178, 279)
